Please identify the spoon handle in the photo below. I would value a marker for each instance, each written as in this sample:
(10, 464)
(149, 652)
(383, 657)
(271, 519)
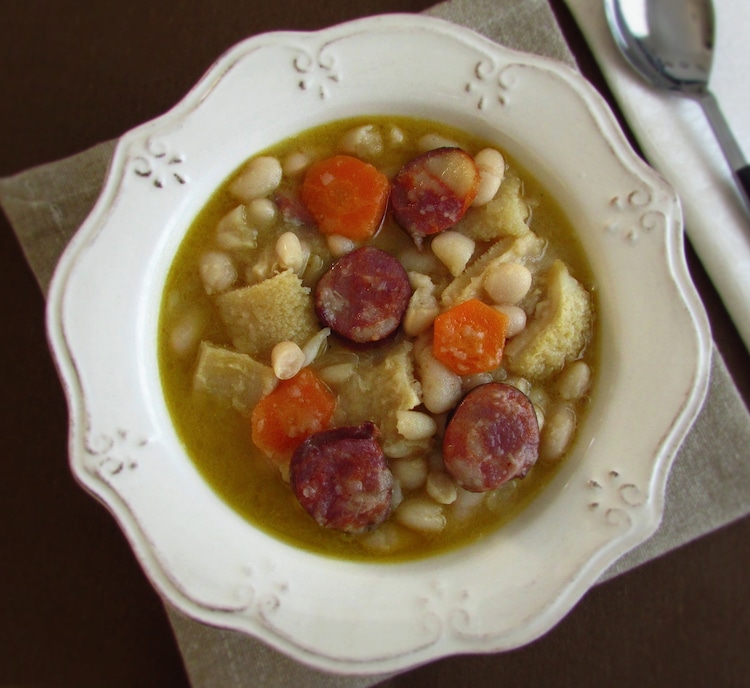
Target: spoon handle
(728, 143)
(743, 179)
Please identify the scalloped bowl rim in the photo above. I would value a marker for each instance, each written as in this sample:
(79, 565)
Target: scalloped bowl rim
(607, 498)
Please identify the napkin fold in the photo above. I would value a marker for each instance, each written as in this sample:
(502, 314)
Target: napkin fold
(677, 139)
(708, 487)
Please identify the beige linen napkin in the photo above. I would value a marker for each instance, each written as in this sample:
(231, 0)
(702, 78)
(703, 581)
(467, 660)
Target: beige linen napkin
(678, 141)
(708, 487)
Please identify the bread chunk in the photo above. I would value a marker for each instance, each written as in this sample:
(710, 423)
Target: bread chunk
(557, 332)
(260, 316)
(378, 391)
(526, 250)
(504, 216)
(235, 378)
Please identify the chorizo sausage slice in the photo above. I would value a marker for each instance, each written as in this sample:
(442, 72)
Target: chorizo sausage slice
(492, 437)
(341, 478)
(364, 296)
(433, 191)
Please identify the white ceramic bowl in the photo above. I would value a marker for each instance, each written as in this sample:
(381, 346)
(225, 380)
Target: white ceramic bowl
(516, 583)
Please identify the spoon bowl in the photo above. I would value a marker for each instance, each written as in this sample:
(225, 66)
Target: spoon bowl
(670, 43)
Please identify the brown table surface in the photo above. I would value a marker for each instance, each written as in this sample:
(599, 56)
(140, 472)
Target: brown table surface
(75, 608)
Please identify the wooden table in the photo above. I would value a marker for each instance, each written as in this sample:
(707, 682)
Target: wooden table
(75, 608)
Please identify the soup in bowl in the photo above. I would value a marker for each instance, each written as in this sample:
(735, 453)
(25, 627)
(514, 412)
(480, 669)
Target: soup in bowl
(222, 341)
(385, 271)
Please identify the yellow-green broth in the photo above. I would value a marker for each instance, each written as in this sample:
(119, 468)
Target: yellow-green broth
(218, 439)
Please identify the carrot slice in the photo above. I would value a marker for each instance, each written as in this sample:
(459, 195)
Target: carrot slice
(288, 415)
(346, 196)
(470, 337)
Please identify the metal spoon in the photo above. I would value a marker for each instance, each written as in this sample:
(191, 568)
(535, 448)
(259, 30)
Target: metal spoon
(670, 44)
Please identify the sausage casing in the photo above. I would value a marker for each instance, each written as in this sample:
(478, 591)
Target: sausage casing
(364, 296)
(341, 478)
(492, 437)
(433, 191)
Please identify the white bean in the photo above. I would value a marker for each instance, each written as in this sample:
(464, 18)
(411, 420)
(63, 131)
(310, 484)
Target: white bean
(539, 397)
(295, 163)
(516, 319)
(261, 212)
(415, 260)
(217, 272)
(539, 416)
(491, 166)
(397, 495)
(398, 448)
(520, 383)
(339, 245)
(186, 333)
(574, 380)
(364, 141)
(441, 387)
(423, 307)
(419, 513)
(508, 283)
(291, 253)
(441, 488)
(263, 267)
(287, 360)
(389, 537)
(395, 136)
(337, 373)
(410, 473)
(415, 425)
(469, 382)
(466, 503)
(314, 267)
(454, 250)
(559, 426)
(173, 301)
(234, 231)
(261, 176)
